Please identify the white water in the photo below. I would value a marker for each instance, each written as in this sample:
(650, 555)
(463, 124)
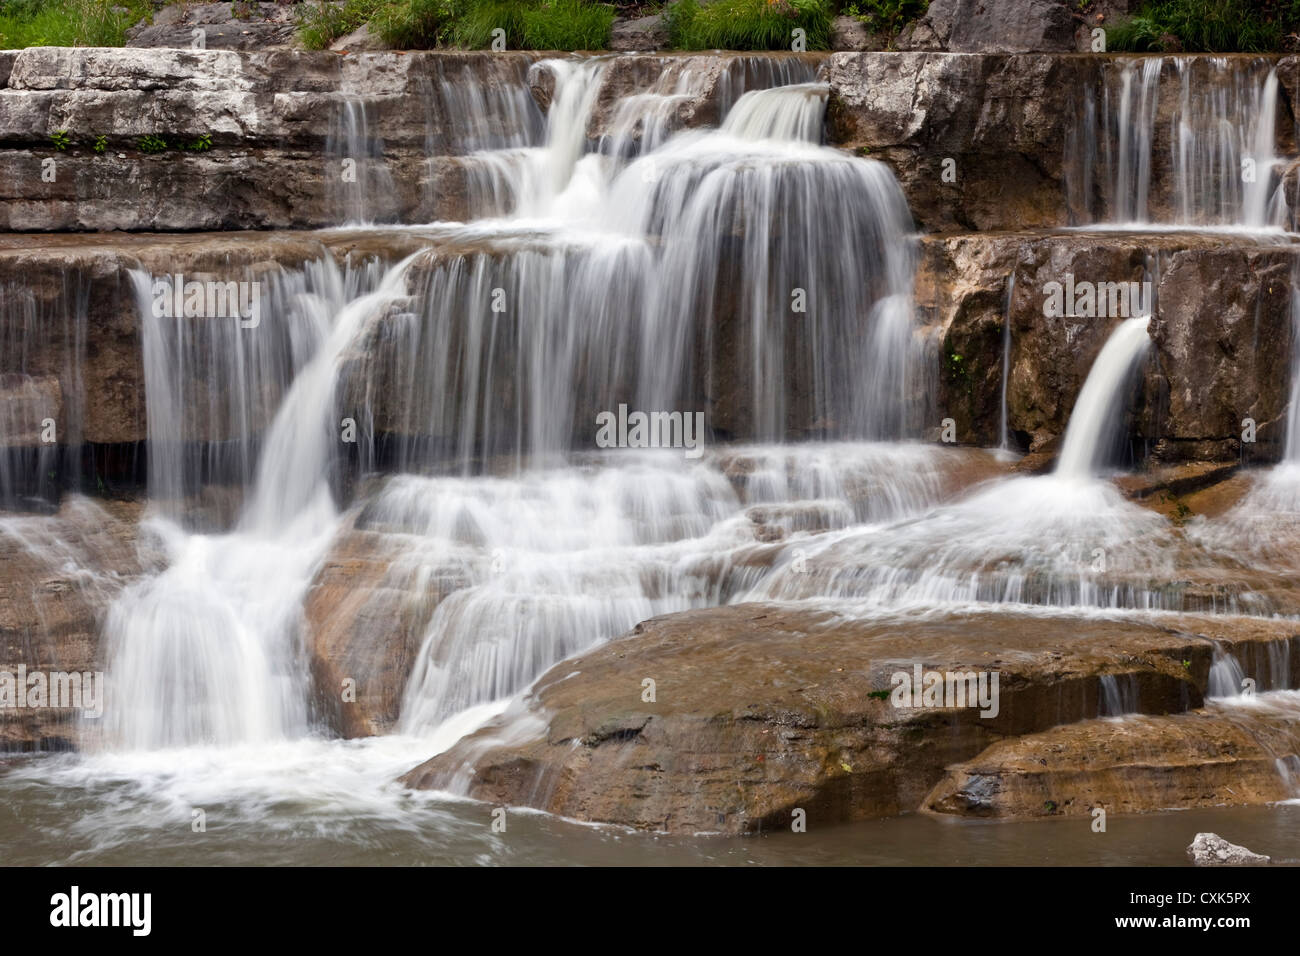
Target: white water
(1099, 409)
(553, 557)
(1003, 438)
(1214, 119)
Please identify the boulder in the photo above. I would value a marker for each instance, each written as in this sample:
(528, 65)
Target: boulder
(1205, 758)
(642, 33)
(992, 26)
(761, 710)
(850, 33)
(241, 25)
(1210, 849)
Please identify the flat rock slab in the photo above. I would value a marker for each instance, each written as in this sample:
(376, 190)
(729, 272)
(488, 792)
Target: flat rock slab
(760, 710)
(1223, 755)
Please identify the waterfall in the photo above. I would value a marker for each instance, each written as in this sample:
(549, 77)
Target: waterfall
(1119, 695)
(359, 183)
(210, 651)
(492, 350)
(792, 113)
(1003, 438)
(1198, 148)
(1099, 409)
(42, 390)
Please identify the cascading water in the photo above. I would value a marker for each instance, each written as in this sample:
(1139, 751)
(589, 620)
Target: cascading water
(1093, 424)
(1186, 141)
(590, 314)
(743, 271)
(1004, 443)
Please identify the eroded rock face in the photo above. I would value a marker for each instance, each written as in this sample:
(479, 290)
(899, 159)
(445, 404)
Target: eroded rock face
(277, 125)
(1206, 758)
(1210, 849)
(1221, 337)
(996, 124)
(992, 26)
(60, 574)
(241, 25)
(759, 710)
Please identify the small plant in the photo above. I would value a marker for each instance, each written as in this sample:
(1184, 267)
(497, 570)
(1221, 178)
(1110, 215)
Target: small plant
(1049, 806)
(60, 139)
(151, 144)
(202, 144)
(879, 694)
(101, 144)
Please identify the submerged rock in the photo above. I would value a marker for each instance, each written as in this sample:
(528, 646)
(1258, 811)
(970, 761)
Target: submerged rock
(1210, 849)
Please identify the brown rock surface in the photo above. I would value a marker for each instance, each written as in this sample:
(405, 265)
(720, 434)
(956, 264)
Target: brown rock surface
(761, 709)
(58, 576)
(1223, 755)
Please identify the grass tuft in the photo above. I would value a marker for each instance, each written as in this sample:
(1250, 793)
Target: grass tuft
(25, 23)
(748, 24)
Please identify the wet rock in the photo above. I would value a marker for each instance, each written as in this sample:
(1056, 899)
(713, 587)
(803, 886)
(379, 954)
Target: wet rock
(1220, 334)
(366, 612)
(1210, 849)
(760, 710)
(1206, 758)
(58, 576)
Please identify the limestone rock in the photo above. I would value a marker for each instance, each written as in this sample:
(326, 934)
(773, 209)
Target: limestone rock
(643, 33)
(763, 709)
(992, 26)
(1210, 849)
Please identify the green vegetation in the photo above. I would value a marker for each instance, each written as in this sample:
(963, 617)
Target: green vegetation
(533, 24)
(201, 145)
(151, 144)
(414, 24)
(1213, 26)
(321, 23)
(885, 16)
(472, 24)
(748, 24)
(25, 23)
(101, 143)
(60, 139)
